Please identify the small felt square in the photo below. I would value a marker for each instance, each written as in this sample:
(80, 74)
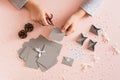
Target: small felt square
(31, 60)
(67, 61)
(24, 54)
(56, 34)
(50, 55)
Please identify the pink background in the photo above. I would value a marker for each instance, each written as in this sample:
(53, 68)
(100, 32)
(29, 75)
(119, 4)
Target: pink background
(13, 20)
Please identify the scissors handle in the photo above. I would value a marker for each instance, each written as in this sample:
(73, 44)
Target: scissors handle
(49, 19)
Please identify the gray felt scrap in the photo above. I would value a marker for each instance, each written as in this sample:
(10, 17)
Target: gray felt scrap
(81, 39)
(67, 61)
(31, 60)
(91, 45)
(24, 54)
(56, 34)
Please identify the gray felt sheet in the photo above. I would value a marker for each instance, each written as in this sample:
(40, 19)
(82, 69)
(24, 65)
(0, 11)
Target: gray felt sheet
(31, 60)
(24, 54)
(81, 39)
(94, 30)
(56, 34)
(48, 58)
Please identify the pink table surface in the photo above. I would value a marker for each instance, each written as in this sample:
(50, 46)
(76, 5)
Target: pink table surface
(13, 20)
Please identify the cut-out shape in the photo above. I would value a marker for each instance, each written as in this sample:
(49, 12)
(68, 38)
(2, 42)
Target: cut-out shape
(24, 54)
(67, 61)
(49, 57)
(31, 60)
(81, 39)
(30, 57)
(91, 45)
(56, 34)
(94, 30)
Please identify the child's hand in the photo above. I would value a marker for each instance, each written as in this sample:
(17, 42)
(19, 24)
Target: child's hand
(72, 22)
(36, 13)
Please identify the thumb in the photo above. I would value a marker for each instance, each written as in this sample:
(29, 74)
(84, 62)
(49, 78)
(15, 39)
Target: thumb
(66, 26)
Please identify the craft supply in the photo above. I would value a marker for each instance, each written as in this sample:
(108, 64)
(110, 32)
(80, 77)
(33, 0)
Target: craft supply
(91, 45)
(94, 30)
(56, 34)
(81, 39)
(40, 53)
(67, 61)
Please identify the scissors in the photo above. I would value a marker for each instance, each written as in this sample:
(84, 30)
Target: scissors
(49, 19)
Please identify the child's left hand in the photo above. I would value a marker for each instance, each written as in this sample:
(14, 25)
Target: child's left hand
(72, 22)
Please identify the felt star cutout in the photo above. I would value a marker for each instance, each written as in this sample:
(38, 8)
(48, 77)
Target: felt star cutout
(94, 30)
(81, 39)
(91, 45)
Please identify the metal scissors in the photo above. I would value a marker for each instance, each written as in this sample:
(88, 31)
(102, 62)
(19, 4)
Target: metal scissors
(49, 19)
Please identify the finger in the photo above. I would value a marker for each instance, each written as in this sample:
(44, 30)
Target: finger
(49, 15)
(49, 21)
(49, 18)
(40, 22)
(69, 30)
(66, 26)
(44, 21)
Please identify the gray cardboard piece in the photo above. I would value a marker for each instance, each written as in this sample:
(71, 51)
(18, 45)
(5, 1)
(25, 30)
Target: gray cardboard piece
(67, 61)
(56, 34)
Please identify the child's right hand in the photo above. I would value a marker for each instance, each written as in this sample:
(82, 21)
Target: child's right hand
(36, 13)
